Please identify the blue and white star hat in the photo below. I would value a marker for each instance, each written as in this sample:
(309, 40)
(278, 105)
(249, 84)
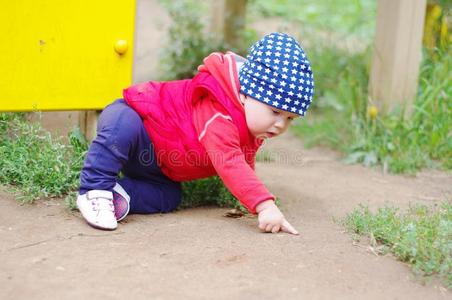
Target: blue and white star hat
(278, 73)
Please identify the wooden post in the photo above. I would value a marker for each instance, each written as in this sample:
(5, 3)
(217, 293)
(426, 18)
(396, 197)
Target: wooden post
(228, 20)
(217, 13)
(88, 123)
(397, 53)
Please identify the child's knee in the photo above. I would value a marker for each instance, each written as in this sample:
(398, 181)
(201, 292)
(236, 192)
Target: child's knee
(119, 129)
(119, 116)
(129, 122)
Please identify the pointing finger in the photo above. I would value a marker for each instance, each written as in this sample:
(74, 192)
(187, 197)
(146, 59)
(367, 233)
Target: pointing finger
(286, 227)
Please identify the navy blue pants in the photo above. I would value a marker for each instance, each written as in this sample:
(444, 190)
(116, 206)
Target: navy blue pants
(123, 145)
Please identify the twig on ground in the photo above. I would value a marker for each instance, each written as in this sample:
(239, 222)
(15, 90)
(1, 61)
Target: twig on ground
(63, 238)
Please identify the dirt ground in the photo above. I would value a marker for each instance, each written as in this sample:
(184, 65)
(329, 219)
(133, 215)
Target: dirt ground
(48, 252)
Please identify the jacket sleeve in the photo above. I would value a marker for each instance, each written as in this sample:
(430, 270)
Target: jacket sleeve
(220, 137)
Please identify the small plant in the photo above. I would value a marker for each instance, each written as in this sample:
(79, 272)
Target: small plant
(343, 120)
(340, 99)
(423, 140)
(188, 42)
(71, 200)
(341, 115)
(36, 165)
(208, 191)
(5, 120)
(341, 17)
(421, 237)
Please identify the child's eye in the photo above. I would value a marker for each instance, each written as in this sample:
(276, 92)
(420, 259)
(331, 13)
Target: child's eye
(276, 112)
(290, 118)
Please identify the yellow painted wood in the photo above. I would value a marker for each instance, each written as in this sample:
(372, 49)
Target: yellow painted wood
(60, 55)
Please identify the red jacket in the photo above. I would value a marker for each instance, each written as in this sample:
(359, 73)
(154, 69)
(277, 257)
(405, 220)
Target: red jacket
(198, 128)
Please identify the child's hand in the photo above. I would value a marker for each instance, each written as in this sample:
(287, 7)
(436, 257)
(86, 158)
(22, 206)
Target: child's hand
(271, 219)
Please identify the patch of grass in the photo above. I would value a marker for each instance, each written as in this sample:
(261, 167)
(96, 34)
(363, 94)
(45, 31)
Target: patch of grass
(6, 119)
(188, 42)
(208, 191)
(339, 116)
(340, 99)
(422, 236)
(405, 145)
(398, 144)
(71, 200)
(344, 17)
(34, 164)
(321, 129)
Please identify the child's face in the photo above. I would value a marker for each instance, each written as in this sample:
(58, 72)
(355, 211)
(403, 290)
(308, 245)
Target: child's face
(265, 121)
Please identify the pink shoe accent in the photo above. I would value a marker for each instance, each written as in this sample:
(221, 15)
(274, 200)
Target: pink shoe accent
(121, 206)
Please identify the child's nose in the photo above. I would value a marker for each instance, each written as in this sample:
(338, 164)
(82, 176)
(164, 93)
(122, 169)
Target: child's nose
(281, 123)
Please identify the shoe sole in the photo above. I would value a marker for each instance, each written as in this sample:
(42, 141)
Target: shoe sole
(99, 227)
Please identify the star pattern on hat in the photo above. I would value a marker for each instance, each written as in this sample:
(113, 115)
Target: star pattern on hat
(278, 73)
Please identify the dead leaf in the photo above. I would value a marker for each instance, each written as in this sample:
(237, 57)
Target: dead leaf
(234, 213)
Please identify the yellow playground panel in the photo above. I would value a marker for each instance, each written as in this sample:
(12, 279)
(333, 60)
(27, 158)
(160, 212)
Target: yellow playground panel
(65, 55)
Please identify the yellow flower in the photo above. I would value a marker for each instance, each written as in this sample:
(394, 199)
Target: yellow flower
(372, 112)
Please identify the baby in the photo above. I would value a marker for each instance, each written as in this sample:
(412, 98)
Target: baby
(164, 133)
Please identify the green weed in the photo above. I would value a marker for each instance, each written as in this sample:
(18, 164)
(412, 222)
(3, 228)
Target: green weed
(188, 42)
(338, 117)
(423, 140)
(71, 200)
(36, 165)
(346, 18)
(208, 191)
(421, 237)
(398, 144)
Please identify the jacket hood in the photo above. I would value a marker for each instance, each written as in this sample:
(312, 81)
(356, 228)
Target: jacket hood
(223, 67)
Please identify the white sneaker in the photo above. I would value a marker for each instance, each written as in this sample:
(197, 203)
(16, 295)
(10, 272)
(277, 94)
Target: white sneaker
(97, 208)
